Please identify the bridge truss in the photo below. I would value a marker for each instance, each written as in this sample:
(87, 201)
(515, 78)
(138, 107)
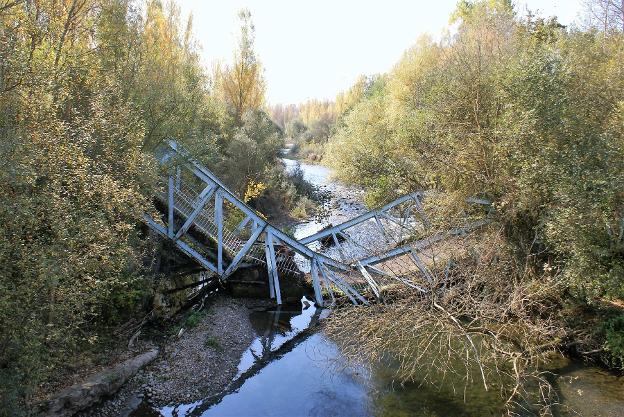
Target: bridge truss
(357, 258)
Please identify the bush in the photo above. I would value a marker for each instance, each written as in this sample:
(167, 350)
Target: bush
(522, 112)
(303, 187)
(69, 243)
(303, 208)
(311, 151)
(193, 319)
(614, 341)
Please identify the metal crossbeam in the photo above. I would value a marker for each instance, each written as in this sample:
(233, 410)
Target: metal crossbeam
(272, 267)
(203, 199)
(254, 240)
(421, 244)
(359, 219)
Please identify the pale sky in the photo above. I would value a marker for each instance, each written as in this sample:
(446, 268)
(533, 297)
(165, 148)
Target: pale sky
(317, 48)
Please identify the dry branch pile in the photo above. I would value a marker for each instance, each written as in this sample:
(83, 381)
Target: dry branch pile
(481, 322)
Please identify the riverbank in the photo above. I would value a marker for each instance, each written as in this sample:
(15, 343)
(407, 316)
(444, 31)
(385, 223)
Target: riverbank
(310, 153)
(197, 349)
(282, 368)
(198, 359)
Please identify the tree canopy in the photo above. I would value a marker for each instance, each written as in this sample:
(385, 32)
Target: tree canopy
(241, 84)
(519, 110)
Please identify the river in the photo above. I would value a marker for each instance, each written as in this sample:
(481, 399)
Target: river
(289, 371)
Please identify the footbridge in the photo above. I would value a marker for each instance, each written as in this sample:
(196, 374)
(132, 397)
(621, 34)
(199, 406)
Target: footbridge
(353, 260)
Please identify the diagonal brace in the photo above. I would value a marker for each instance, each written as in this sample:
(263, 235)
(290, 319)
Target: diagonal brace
(205, 195)
(244, 250)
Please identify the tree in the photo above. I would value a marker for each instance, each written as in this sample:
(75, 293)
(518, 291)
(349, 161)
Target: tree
(606, 15)
(241, 84)
(530, 115)
(170, 86)
(295, 128)
(84, 87)
(520, 111)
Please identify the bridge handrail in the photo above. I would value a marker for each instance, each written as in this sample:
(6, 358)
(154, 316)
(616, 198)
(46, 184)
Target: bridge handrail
(210, 178)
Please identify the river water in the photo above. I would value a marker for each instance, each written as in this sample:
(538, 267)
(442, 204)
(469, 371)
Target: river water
(290, 371)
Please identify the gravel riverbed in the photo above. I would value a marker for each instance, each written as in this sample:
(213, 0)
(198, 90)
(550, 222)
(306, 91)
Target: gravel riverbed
(198, 363)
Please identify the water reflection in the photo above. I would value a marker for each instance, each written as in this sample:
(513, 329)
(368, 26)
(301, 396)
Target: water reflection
(288, 372)
(276, 327)
(300, 384)
(586, 390)
(417, 399)
(312, 378)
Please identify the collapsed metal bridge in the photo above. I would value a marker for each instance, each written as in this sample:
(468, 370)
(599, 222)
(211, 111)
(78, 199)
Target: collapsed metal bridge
(355, 259)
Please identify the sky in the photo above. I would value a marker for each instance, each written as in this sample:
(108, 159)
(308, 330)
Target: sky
(317, 48)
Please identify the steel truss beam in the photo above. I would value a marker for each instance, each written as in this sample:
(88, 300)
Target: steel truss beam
(325, 271)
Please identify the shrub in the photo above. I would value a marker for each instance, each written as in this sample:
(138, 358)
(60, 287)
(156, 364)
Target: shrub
(193, 319)
(614, 341)
(522, 112)
(303, 187)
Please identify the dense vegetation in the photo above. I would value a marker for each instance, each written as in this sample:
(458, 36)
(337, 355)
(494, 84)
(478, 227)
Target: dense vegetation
(88, 88)
(521, 111)
(516, 109)
(530, 115)
(309, 125)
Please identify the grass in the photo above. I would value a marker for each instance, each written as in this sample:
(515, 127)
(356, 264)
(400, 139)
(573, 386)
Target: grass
(212, 343)
(193, 319)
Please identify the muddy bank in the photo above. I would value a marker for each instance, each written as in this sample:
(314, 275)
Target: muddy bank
(198, 359)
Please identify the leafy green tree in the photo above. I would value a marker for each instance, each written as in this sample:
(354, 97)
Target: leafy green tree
(73, 185)
(295, 128)
(521, 111)
(241, 84)
(86, 88)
